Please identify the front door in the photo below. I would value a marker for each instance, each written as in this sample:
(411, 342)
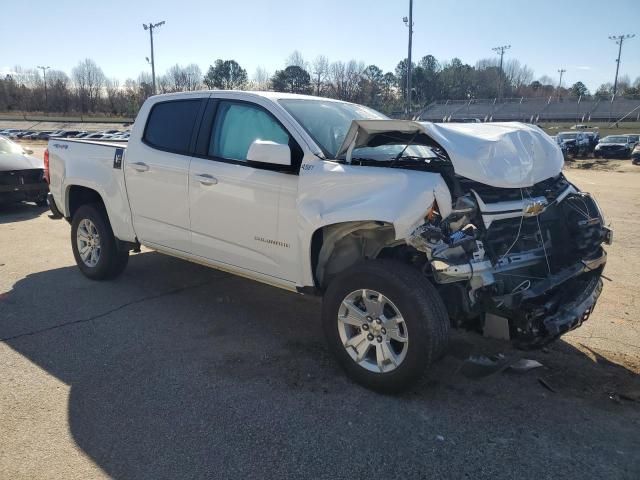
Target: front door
(235, 211)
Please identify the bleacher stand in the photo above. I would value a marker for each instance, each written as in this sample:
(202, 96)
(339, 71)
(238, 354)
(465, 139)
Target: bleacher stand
(535, 109)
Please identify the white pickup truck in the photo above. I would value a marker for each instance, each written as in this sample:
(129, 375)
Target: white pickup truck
(406, 228)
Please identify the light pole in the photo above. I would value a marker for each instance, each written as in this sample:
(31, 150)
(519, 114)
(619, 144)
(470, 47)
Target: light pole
(150, 27)
(618, 39)
(409, 23)
(500, 51)
(44, 74)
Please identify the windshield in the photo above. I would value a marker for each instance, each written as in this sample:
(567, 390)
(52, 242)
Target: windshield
(614, 140)
(567, 136)
(8, 147)
(390, 152)
(327, 122)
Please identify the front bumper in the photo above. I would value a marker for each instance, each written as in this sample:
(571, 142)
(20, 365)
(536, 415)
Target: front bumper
(30, 192)
(554, 306)
(612, 153)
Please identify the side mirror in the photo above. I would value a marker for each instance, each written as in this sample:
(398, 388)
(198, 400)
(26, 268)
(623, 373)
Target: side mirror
(264, 151)
(28, 151)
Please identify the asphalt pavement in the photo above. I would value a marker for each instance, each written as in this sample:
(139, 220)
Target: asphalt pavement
(175, 370)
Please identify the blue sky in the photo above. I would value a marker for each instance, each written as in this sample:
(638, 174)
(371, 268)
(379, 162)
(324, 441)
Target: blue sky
(546, 35)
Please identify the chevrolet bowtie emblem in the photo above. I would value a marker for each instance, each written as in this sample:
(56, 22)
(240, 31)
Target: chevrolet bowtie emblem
(534, 207)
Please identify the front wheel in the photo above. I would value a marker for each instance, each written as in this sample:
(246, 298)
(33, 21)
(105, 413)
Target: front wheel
(385, 323)
(94, 246)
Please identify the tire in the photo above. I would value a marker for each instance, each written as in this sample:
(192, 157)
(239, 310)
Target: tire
(404, 289)
(108, 260)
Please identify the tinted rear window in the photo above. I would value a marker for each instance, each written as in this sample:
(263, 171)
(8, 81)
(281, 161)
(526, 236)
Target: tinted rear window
(170, 125)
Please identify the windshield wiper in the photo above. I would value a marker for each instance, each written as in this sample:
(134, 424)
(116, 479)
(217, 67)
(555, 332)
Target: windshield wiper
(395, 160)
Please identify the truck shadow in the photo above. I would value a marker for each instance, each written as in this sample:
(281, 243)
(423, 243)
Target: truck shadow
(19, 212)
(177, 370)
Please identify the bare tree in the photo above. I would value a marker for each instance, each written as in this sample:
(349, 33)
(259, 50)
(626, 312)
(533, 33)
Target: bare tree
(59, 93)
(89, 80)
(261, 79)
(296, 60)
(337, 79)
(26, 77)
(112, 87)
(163, 84)
(193, 79)
(517, 74)
(320, 72)
(353, 75)
(182, 79)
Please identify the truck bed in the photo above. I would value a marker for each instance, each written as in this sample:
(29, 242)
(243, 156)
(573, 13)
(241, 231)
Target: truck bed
(97, 165)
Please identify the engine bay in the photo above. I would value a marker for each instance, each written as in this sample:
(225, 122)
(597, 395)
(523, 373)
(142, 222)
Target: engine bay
(516, 256)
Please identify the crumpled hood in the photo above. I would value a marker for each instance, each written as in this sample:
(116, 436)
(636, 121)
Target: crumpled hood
(508, 154)
(15, 161)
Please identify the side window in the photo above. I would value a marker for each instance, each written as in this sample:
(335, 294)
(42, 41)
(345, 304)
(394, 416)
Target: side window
(238, 125)
(170, 125)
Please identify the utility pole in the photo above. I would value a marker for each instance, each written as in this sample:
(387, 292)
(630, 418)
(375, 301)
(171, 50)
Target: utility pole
(561, 71)
(500, 51)
(619, 39)
(409, 23)
(44, 74)
(150, 27)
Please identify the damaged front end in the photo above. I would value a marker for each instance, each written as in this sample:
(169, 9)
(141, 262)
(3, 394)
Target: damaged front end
(518, 263)
(517, 252)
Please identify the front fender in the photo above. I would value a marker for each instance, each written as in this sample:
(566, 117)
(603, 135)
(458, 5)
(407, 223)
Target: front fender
(331, 193)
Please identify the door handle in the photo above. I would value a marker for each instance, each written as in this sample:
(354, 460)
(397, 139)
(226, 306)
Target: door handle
(206, 179)
(140, 166)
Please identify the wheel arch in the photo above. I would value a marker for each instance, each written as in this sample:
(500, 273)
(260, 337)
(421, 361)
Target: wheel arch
(338, 246)
(78, 195)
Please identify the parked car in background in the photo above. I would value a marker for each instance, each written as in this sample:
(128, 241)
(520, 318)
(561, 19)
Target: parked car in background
(82, 134)
(97, 136)
(573, 143)
(464, 120)
(41, 135)
(634, 137)
(25, 133)
(8, 131)
(594, 139)
(21, 175)
(120, 136)
(635, 154)
(66, 133)
(614, 146)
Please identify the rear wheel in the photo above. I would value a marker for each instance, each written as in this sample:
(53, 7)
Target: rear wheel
(95, 248)
(385, 323)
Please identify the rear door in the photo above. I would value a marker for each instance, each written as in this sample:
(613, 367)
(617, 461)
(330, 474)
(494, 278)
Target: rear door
(157, 172)
(242, 213)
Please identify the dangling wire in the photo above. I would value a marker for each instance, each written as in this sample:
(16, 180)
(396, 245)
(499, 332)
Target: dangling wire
(544, 249)
(519, 230)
